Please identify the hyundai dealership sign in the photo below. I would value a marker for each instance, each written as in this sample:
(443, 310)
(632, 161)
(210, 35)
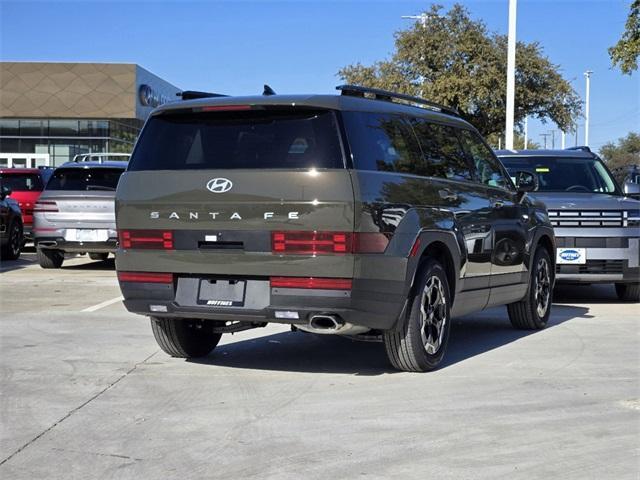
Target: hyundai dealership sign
(151, 98)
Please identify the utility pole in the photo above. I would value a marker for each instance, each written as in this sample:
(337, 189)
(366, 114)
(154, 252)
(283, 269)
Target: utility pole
(526, 132)
(545, 135)
(553, 139)
(511, 74)
(562, 139)
(587, 75)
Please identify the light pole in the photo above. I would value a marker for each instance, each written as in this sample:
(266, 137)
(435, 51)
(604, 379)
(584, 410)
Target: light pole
(587, 75)
(422, 17)
(562, 139)
(526, 133)
(511, 74)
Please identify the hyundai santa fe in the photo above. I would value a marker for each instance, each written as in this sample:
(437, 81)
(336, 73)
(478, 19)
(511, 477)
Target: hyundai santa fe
(597, 226)
(363, 213)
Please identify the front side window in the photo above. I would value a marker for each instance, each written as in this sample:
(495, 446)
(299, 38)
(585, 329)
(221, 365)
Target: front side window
(557, 174)
(85, 179)
(488, 170)
(443, 154)
(383, 143)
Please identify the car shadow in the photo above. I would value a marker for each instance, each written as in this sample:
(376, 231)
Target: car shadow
(304, 352)
(10, 265)
(109, 264)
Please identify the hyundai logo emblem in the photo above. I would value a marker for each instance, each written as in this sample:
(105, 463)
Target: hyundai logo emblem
(219, 185)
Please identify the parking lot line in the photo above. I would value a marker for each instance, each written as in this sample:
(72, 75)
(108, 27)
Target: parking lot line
(106, 303)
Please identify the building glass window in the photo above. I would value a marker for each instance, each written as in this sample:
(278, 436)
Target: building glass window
(33, 128)
(9, 127)
(63, 128)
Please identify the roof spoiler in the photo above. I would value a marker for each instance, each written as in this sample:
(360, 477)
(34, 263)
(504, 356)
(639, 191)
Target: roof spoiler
(194, 94)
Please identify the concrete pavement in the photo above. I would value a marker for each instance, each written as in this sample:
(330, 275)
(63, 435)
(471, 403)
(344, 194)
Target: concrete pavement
(86, 393)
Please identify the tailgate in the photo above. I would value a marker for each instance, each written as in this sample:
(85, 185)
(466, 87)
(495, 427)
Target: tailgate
(222, 221)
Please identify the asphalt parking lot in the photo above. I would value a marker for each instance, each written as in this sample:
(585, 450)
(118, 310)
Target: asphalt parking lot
(86, 393)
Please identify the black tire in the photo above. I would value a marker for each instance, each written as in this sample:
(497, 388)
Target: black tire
(532, 312)
(628, 292)
(50, 258)
(11, 251)
(407, 347)
(99, 256)
(185, 338)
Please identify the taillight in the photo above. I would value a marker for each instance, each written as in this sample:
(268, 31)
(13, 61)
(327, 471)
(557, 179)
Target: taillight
(311, 283)
(45, 206)
(322, 243)
(145, 277)
(311, 243)
(146, 239)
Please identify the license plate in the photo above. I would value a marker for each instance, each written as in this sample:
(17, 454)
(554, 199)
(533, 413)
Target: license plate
(221, 293)
(86, 235)
(575, 256)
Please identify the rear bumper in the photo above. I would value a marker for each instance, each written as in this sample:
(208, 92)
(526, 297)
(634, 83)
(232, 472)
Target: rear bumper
(370, 304)
(59, 243)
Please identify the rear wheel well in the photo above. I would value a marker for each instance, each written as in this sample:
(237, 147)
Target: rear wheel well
(439, 251)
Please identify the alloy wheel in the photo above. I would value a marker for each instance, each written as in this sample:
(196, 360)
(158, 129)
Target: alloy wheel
(542, 287)
(15, 240)
(433, 315)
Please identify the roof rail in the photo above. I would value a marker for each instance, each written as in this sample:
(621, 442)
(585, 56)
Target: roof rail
(582, 148)
(101, 157)
(193, 94)
(385, 95)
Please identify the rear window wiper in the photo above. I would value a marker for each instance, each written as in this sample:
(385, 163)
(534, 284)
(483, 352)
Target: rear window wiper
(100, 187)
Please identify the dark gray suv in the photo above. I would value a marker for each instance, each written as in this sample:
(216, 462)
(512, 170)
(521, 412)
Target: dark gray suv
(597, 227)
(365, 213)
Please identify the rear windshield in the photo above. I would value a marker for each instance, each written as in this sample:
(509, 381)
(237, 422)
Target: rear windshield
(558, 174)
(245, 139)
(22, 182)
(85, 179)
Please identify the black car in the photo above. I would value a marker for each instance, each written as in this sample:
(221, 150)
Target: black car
(362, 213)
(11, 230)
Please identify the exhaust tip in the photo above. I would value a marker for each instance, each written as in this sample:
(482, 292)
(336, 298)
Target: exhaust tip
(325, 322)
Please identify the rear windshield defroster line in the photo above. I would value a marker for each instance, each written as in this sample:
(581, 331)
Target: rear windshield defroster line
(260, 139)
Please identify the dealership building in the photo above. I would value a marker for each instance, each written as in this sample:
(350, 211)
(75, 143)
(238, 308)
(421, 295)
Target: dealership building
(50, 112)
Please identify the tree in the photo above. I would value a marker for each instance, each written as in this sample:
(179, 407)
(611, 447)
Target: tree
(518, 141)
(625, 152)
(625, 53)
(456, 61)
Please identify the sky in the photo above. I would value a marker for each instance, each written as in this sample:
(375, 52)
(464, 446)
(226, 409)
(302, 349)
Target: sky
(299, 46)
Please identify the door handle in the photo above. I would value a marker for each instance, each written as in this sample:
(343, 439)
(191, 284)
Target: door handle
(447, 194)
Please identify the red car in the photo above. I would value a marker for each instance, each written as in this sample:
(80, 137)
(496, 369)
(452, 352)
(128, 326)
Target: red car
(26, 185)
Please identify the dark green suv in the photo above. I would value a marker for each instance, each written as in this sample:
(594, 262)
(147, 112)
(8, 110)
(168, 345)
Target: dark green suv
(365, 213)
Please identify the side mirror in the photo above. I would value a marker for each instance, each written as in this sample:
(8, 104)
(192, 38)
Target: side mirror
(4, 192)
(631, 189)
(526, 181)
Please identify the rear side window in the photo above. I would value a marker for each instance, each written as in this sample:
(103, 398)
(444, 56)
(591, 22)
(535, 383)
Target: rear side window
(84, 179)
(443, 153)
(382, 142)
(239, 139)
(22, 182)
